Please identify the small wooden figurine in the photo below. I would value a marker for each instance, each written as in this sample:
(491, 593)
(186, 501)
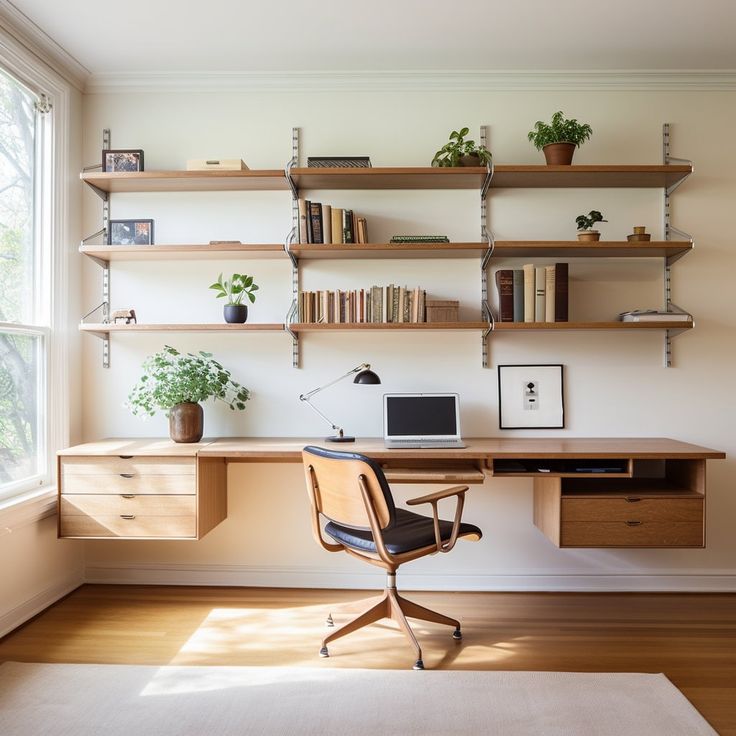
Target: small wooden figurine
(125, 314)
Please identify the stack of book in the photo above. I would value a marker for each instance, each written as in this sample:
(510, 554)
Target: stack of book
(533, 293)
(420, 239)
(322, 223)
(385, 304)
(654, 315)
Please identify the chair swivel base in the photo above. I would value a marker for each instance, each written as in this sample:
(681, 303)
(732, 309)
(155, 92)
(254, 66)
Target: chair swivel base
(396, 607)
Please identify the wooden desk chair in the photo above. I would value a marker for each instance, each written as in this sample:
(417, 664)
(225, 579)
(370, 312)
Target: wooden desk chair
(351, 491)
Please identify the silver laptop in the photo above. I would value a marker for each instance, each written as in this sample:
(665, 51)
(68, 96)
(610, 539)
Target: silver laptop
(421, 421)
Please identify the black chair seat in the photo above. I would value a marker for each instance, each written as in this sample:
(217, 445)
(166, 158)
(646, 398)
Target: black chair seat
(409, 532)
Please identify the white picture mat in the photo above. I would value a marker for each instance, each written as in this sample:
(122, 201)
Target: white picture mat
(512, 392)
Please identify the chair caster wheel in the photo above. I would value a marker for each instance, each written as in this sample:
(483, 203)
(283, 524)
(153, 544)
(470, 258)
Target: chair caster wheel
(323, 652)
(418, 665)
(329, 621)
(457, 634)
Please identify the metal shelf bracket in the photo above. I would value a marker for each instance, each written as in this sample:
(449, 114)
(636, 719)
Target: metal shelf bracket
(487, 235)
(293, 313)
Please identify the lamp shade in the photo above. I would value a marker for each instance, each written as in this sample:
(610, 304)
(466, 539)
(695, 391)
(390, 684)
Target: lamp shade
(367, 376)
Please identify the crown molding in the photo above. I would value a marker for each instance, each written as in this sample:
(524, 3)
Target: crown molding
(26, 33)
(370, 81)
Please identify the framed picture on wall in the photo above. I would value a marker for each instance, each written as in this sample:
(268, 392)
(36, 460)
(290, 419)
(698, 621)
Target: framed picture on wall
(128, 159)
(130, 232)
(531, 397)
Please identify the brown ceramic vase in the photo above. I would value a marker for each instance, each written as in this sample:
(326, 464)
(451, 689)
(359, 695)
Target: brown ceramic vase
(186, 422)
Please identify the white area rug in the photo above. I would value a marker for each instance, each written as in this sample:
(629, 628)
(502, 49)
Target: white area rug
(61, 699)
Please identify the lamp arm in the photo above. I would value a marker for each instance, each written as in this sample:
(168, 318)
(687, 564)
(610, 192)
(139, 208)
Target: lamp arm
(309, 394)
(305, 399)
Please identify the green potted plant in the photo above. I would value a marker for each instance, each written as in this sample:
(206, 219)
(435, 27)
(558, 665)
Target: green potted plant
(239, 286)
(559, 139)
(176, 382)
(459, 152)
(585, 225)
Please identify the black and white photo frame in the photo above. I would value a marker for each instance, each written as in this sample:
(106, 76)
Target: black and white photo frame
(531, 397)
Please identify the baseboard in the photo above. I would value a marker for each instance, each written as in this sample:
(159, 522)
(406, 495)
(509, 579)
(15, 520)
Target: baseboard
(310, 577)
(39, 602)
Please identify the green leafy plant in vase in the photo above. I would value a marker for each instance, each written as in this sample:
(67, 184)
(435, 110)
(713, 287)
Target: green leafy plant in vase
(559, 138)
(459, 152)
(585, 225)
(234, 290)
(176, 383)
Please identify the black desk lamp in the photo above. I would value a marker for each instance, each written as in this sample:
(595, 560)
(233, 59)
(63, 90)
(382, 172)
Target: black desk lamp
(364, 375)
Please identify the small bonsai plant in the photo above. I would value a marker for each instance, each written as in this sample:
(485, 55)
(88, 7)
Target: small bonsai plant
(585, 225)
(176, 382)
(459, 152)
(559, 138)
(239, 286)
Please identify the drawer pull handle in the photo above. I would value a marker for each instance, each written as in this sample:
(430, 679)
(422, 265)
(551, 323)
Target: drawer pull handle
(125, 457)
(127, 516)
(126, 475)
(633, 523)
(127, 495)
(632, 499)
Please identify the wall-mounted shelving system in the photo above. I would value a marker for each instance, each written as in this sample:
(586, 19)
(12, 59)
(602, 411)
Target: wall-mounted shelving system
(667, 176)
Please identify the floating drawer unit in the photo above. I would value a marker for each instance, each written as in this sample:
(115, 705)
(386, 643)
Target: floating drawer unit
(123, 489)
(643, 510)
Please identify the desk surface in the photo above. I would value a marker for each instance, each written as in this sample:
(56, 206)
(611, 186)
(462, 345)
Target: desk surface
(288, 449)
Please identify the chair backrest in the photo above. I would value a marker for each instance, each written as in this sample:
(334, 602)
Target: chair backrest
(334, 480)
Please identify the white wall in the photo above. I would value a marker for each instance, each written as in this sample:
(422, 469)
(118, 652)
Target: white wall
(615, 384)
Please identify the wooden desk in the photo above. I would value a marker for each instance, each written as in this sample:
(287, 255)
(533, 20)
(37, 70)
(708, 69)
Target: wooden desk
(589, 492)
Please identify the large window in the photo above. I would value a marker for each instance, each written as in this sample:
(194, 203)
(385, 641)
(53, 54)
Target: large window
(25, 287)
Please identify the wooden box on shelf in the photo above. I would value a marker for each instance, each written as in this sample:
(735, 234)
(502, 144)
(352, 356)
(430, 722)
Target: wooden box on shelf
(442, 310)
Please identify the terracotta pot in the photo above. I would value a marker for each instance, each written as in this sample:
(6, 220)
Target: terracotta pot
(186, 422)
(589, 235)
(235, 313)
(559, 154)
(472, 160)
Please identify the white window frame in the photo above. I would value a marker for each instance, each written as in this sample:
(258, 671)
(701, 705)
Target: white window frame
(53, 228)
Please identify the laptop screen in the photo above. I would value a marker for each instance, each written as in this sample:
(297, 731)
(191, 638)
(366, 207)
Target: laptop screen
(414, 415)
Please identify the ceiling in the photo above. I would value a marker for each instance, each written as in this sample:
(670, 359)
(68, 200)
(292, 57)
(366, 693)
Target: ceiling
(174, 36)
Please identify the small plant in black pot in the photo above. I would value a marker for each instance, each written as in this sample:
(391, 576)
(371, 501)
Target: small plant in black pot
(239, 286)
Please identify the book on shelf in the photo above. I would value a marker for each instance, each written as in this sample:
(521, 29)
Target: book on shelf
(347, 227)
(361, 230)
(419, 239)
(540, 300)
(336, 227)
(518, 287)
(562, 290)
(338, 162)
(528, 292)
(326, 220)
(549, 293)
(316, 218)
(654, 315)
(505, 286)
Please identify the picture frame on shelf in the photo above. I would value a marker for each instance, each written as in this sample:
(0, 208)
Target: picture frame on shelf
(531, 397)
(130, 232)
(122, 159)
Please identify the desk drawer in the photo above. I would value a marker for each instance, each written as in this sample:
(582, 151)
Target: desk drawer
(627, 509)
(129, 484)
(136, 465)
(88, 515)
(631, 533)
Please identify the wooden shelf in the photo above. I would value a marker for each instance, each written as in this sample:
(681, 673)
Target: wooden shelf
(416, 177)
(552, 326)
(187, 181)
(389, 250)
(327, 327)
(181, 252)
(503, 248)
(103, 330)
(578, 249)
(510, 176)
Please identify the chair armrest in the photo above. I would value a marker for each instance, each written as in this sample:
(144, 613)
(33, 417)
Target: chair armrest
(437, 495)
(434, 498)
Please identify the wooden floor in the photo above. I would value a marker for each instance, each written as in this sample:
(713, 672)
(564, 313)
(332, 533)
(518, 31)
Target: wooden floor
(691, 638)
